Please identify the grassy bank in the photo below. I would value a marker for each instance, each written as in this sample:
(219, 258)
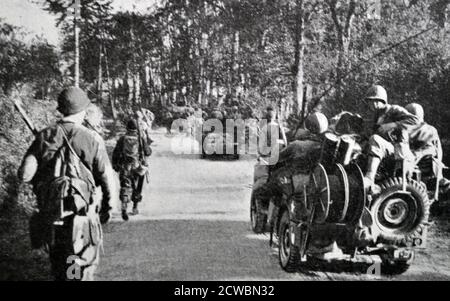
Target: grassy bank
(17, 260)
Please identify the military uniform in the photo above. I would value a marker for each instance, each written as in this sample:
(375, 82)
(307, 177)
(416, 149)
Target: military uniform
(271, 139)
(145, 124)
(392, 118)
(66, 235)
(392, 125)
(132, 168)
(149, 117)
(270, 142)
(427, 148)
(298, 158)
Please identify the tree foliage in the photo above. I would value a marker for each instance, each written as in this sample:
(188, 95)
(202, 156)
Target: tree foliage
(299, 55)
(35, 63)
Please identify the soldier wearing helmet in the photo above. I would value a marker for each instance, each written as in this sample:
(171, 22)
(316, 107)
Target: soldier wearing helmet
(316, 123)
(190, 122)
(65, 164)
(235, 114)
(272, 138)
(297, 158)
(424, 138)
(129, 159)
(308, 141)
(144, 125)
(388, 120)
(425, 144)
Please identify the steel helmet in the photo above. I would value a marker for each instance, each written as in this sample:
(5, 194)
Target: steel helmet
(377, 92)
(72, 100)
(316, 123)
(132, 125)
(416, 110)
(217, 115)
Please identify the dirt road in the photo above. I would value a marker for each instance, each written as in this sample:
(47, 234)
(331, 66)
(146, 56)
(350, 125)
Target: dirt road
(194, 225)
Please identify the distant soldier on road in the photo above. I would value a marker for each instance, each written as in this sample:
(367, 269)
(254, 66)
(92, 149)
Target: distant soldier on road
(130, 161)
(148, 117)
(65, 163)
(167, 119)
(272, 138)
(190, 122)
(145, 126)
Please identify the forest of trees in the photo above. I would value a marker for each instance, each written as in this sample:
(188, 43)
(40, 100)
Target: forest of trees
(299, 55)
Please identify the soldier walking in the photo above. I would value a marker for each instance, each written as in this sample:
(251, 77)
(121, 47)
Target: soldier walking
(65, 164)
(130, 161)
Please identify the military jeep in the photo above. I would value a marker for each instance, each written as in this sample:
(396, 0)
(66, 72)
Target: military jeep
(334, 208)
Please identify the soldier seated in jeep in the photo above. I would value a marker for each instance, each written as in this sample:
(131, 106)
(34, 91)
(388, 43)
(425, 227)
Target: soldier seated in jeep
(426, 147)
(297, 158)
(389, 119)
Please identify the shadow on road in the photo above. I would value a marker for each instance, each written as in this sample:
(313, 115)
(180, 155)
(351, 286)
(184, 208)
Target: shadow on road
(199, 250)
(185, 250)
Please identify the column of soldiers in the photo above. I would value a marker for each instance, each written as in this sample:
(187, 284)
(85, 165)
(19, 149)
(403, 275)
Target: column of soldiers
(197, 114)
(68, 161)
(68, 166)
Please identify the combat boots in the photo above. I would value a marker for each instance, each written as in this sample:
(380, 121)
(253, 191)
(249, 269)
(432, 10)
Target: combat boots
(125, 215)
(135, 209)
(124, 211)
(137, 198)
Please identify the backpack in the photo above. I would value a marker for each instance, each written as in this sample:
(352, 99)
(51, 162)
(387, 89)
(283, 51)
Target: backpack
(71, 184)
(130, 150)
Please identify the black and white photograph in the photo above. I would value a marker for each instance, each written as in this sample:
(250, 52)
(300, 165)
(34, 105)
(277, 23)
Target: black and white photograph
(237, 142)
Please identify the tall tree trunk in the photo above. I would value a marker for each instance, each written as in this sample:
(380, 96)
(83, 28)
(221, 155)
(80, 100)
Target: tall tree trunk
(235, 64)
(137, 89)
(146, 79)
(129, 85)
(111, 98)
(201, 83)
(100, 77)
(77, 44)
(343, 32)
(299, 74)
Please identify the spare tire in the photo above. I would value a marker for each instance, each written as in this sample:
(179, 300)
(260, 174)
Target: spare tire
(398, 217)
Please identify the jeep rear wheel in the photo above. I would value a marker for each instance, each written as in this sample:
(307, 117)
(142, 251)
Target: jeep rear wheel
(288, 253)
(399, 216)
(257, 217)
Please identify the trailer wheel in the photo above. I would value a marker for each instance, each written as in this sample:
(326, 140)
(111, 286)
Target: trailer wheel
(288, 253)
